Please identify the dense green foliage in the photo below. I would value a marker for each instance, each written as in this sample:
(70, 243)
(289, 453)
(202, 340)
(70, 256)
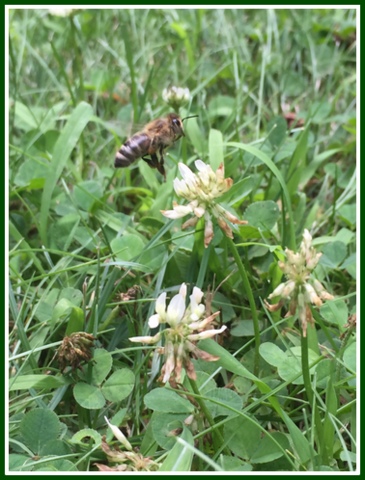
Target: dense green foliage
(90, 251)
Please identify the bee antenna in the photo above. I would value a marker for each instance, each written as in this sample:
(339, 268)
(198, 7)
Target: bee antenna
(191, 116)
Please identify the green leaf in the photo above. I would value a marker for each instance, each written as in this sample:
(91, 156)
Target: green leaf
(277, 128)
(268, 451)
(350, 265)
(18, 462)
(153, 258)
(302, 446)
(65, 144)
(270, 164)
(272, 354)
(239, 190)
(119, 385)
(55, 447)
(233, 365)
(61, 309)
(149, 445)
(234, 464)
(196, 138)
(76, 321)
(242, 437)
(164, 427)
(204, 382)
(216, 154)
(30, 170)
(288, 363)
(227, 361)
(87, 194)
(320, 111)
(73, 295)
(221, 106)
(102, 364)
(164, 400)
(38, 427)
(56, 465)
(348, 213)
(349, 357)
(25, 119)
(335, 312)
(308, 172)
(180, 457)
(244, 328)
(47, 382)
(225, 397)
(88, 396)
(63, 231)
(297, 162)
(334, 254)
(18, 237)
(262, 214)
(127, 247)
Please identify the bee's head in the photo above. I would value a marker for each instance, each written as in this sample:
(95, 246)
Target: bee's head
(177, 123)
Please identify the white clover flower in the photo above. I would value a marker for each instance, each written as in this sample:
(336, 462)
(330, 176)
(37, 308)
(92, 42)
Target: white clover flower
(201, 191)
(185, 325)
(207, 333)
(301, 288)
(197, 308)
(176, 96)
(60, 12)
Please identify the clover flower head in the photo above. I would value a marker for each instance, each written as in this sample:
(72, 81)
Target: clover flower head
(185, 325)
(75, 349)
(126, 459)
(61, 12)
(202, 190)
(176, 96)
(302, 288)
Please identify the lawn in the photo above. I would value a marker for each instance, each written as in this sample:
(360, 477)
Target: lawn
(198, 315)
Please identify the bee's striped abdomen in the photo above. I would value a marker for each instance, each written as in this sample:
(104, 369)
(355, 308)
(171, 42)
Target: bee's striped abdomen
(132, 149)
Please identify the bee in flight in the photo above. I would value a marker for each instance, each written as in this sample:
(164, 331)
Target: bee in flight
(155, 137)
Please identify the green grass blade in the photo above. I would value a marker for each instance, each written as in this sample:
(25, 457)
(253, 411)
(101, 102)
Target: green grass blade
(180, 457)
(66, 142)
(269, 163)
(216, 156)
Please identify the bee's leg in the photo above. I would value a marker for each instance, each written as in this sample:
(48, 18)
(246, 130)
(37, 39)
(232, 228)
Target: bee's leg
(160, 166)
(153, 161)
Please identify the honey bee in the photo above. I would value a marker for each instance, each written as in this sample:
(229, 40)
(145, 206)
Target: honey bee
(155, 137)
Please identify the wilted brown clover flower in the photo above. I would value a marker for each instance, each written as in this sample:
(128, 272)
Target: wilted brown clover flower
(301, 288)
(126, 459)
(202, 190)
(74, 349)
(186, 326)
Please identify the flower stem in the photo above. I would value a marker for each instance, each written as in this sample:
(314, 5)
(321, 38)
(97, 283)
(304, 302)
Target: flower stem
(218, 440)
(317, 421)
(251, 301)
(305, 369)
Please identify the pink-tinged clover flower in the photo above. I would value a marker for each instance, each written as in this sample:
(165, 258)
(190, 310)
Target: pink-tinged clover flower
(301, 289)
(202, 190)
(185, 325)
